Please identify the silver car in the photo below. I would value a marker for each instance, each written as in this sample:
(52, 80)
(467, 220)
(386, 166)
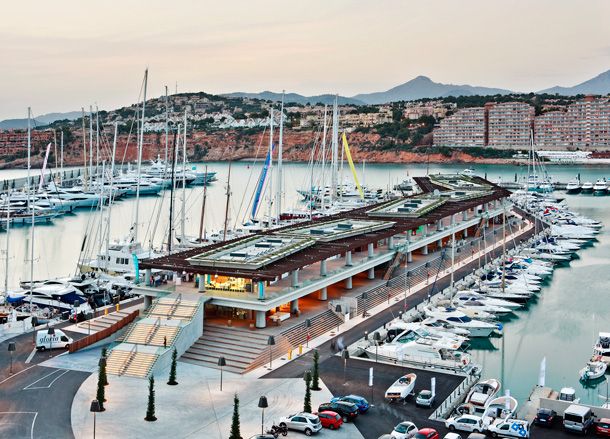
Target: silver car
(305, 422)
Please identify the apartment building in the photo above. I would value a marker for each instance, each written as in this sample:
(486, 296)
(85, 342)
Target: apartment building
(465, 128)
(551, 130)
(509, 125)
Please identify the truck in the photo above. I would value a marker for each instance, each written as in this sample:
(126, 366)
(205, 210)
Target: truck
(58, 340)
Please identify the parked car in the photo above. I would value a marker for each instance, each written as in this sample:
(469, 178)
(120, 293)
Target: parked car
(332, 420)
(404, 430)
(347, 410)
(602, 427)
(545, 417)
(305, 422)
(425, 398)
(509, 428)
(577, 418)
(426, 433)
(362, 403)
(465, 423)
(476, 436)
(452, 436)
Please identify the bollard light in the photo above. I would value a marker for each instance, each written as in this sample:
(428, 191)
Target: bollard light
(95, 408)
(12, 348)
(270, 343)
(345, 357)
(262, 403)
(221, 363)
(307, 326)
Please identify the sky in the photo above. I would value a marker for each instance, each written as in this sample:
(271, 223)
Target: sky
(62, 55)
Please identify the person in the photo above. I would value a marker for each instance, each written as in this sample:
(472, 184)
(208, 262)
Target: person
(165, 342)
(340, 344)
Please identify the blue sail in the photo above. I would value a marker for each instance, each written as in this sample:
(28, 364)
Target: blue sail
(261, 184)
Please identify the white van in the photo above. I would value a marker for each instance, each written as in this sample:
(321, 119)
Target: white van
(577, 418)
(57, 340)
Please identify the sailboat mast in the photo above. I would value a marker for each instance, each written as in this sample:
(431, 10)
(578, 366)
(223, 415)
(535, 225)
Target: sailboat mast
(30, 201)
(101, 231)
(335, 151)
(97, 139)
(61, 160)
(90, 145)
(171, 194)
(205, 195)
(6, 249)
(269, 171)
(183, 219)
(140, 146)
(85, 178)
(107, 258)
(322, 189)
(166, 131)
(280, 183)
(224, 234)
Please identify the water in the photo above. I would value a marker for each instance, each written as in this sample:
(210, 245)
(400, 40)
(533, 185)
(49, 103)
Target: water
(561, 326)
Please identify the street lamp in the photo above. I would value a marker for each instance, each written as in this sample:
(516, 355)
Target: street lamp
(366, 335)
(427, 265)
(221, 363)
(262, 403)
(34, 324)
(95, 408)
(338, 310)
(377, 339)
(408, 290)
(51, 332)
(270, 343)
(365, 296)
(345, 356)
(11, 349)
(307, 326)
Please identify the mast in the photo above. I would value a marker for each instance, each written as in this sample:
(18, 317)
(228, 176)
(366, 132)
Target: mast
(205, 195)
(323, 185)
(30, 201)
(97, 139)
(140, 146)
(171, 195)
(61, 160)
(335, 151)
(107, 258)
(280, 183)
(85, 178)
(270, 183)
(504, 248)
(183, 219)
(101, 231)
(166, 131)
(6, 249)
(90, 145)
(224, 234)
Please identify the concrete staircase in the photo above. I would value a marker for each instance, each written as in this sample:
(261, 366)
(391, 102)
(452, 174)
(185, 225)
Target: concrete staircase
(151, 335)
(243, 350)
(130, 363)
(320, 324)
(102, 322)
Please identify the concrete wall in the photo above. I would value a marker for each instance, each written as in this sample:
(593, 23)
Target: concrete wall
(560, 406)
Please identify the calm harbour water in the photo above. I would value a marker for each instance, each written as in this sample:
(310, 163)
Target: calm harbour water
(561, 326)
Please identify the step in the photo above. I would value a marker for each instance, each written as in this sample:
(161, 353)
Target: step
(198, 362)
(211, 344)
(222, 353)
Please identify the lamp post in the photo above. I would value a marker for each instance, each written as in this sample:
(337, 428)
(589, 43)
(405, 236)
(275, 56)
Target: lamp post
(408, 289)
(338, 310)
(11, 348)
(428, 278)
(34, 324)
(51, 333)
(377, 339)
(366, 335)
(365, 296)
(221, 363)
(262, 403)
(95, 408)
(307, 326)
(345, 356)
(270, 343)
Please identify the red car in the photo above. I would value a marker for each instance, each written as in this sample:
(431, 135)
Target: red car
(426, 433)
(330, 419)
(602, 427)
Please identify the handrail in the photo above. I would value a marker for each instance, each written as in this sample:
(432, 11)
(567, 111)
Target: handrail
(128, 361)
(154, 331)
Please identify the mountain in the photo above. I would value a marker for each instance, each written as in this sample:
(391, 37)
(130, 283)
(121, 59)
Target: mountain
(600, 85)
(44, 119)
(296, 98)
(423, 87)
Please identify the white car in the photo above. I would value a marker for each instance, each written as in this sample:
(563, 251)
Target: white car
(305, 422)
(509, 428)
(465, 423)
(452, 436)
(404, 430)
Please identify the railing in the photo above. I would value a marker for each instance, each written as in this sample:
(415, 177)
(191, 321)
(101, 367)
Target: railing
(456, 397)
(127, 362)
(153, 331)
(94, 338)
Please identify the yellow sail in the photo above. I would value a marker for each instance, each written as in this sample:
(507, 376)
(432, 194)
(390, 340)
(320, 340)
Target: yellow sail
(351, 165)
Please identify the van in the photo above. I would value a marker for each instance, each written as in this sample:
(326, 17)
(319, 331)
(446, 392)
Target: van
(55, 341)
(577, 418)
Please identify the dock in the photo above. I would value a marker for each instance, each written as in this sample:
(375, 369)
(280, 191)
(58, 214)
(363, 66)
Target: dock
(531, 406)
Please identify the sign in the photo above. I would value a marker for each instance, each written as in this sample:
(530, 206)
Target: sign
(370, 377)
(433, 386)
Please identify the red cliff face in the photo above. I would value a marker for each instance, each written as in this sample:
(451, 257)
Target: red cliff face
(235, 145)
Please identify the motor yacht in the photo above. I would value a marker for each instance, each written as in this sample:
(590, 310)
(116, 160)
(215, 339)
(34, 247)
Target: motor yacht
(573, 186)
(459, 319)
(587, 187)
(600, 187)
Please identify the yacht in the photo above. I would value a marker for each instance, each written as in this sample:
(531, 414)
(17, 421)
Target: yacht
(119, 258)
(600, 187)
(483, 392)
(587, 187)
(602, 347)
(459, 319)
(402, 388)
(397, 326)
(593, 370)
(466, 296)
(573, 186)
(468, 172)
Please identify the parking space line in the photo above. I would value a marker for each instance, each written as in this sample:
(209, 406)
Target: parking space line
(15, 374)
(40, 379)
(50, 384)
(31, 356)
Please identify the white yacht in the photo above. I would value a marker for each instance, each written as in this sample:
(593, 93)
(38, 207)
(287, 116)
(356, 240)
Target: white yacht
(573, 186)
(483, 392)
(466, 296)
(402, 388)
(587, 187)
(457, 318)
(600, 187)
(602, 347)
(119, 258)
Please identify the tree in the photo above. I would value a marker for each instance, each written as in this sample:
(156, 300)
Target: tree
(307, 401)
(172, 370)
(235, 426)
(101, 391)
(150, 409)
(315, 376)
(105, 375)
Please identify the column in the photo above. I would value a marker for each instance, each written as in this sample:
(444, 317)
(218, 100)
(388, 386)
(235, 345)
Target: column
(201, 283)
(323, 268)
(439, 243)
(294, 306)
(323, 294)
(408, 236)
(147, 277)
(409, 256)
(348, 283)
(391, 242)
(294, 282)
(371, 250)
(465, 215)
(466, 232)
(371, 274)
(261, 290)
(439, 225)
(261, 319)
(425, 230)
(424, 250)
(147, 301)
(348, 259)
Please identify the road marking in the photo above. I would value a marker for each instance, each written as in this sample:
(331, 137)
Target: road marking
(25, 413)
(40, 379)
(17, 373)
(50, 384)
(31, 355)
